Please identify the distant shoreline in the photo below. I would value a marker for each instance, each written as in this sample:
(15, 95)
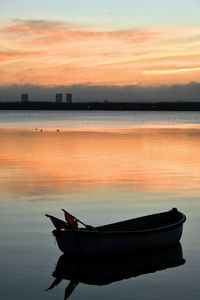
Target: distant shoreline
(106, 106)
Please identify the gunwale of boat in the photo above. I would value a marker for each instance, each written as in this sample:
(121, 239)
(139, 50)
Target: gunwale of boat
(130, 226)
(141, 222)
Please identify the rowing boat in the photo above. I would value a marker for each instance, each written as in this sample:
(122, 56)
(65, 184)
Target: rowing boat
(147, 232)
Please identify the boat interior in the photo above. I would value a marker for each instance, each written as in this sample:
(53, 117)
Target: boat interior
(145, 223)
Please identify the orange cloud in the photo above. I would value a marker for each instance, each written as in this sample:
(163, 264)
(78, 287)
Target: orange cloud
(60, 30)
(172, 70)
(47, 52)
(16, 55)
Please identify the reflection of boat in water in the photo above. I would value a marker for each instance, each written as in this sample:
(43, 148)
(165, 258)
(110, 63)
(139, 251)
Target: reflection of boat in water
(152, 231)
(105, 270)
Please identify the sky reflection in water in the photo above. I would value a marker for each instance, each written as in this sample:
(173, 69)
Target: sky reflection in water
(101, 176)
(44, 163)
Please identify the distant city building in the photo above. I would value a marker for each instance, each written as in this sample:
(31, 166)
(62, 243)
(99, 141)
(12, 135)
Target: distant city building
(59, 98)
(69, 98)
(24, 98)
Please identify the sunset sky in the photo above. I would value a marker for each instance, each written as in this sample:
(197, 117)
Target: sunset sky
(99, 43)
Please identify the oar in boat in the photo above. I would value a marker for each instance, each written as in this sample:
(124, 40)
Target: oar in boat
(59, 224)
(72, 221)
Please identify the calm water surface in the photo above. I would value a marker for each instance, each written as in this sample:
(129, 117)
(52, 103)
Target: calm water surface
(102, 167)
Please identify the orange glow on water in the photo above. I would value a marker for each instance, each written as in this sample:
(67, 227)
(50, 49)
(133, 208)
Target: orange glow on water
(160, 160)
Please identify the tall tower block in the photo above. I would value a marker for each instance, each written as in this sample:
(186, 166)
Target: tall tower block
(59, 98)
(69, 98)
(24, 98)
